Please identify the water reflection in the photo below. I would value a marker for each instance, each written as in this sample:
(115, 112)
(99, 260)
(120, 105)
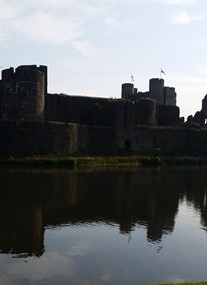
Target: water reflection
(34, 200)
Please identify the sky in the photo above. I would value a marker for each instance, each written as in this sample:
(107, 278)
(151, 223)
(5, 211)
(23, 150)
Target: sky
(91, 47)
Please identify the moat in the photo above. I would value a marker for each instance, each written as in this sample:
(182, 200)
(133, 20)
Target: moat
(104, 226)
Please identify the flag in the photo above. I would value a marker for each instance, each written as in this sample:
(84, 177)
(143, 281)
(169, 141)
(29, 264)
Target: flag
(163, 72)
(132, 78)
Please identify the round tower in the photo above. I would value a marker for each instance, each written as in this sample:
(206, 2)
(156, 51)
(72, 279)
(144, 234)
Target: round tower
(146, 112)
(23, 94)
(127, 90)
(156, 90)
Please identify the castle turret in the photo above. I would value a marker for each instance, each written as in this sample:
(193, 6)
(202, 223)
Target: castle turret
(146, 112)
(156, 90)
(127, 90)
(23, 93)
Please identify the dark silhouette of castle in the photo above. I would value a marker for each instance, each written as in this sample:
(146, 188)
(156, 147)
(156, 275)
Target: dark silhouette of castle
(24, 97)
(157, 91)
(32, 121)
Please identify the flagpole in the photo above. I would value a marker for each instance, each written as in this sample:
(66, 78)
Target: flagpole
(161, 71)
(132, 78)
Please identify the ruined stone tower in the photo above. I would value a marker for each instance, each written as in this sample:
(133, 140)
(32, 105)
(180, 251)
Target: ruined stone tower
(22, 93)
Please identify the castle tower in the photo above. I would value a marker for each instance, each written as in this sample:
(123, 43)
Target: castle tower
(23, 93)
(127, 90)
(146, 112)
(170, 96)
(156, 90)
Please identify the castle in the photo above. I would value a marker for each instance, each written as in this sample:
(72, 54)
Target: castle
(33, 122)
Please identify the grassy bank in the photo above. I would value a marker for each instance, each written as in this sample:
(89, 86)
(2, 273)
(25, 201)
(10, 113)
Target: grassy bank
(69, 162)
(97, 161)
(173, 160)
(183, 283)
(38, 161)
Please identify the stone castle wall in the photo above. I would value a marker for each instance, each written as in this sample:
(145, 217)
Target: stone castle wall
(75, 109)
(34, 138)
(164, 140)
(89, 110)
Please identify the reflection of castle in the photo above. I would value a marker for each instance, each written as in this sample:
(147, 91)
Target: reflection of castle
(45, 123)
(121, 197)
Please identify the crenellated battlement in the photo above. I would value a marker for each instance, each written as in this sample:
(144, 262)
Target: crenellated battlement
(23, 93)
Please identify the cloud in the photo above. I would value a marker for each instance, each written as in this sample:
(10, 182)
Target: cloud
(3, 35)
(183, 17)
(62, 22)
(52, 264)
(112, 23)
(79, 250)
(178, 2)
(49, 3)
(49, 21)
(47, 28)
(117, 25)
(9, 10)
(84, 47)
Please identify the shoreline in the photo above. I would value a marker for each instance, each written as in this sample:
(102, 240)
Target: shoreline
(73, 162)
(182, 283)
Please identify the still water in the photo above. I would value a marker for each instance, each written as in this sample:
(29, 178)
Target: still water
(125, 226)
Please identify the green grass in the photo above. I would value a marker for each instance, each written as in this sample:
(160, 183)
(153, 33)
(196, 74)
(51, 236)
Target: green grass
(183, 283)
(97, 161)
(90, 282)
(150, 160)
(107, 160)
(38, 161)
(68, 161)
(185, 160)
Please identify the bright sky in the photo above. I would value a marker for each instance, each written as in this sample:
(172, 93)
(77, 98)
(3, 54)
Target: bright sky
(91, 47)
